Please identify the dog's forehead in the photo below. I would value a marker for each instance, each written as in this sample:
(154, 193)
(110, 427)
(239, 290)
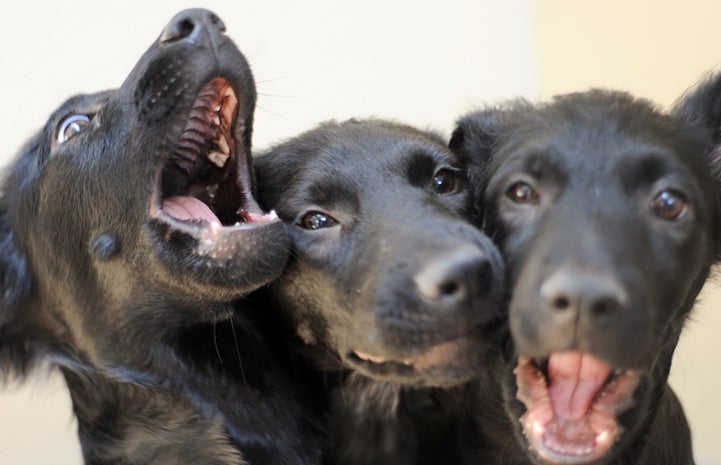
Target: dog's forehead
(605, 142)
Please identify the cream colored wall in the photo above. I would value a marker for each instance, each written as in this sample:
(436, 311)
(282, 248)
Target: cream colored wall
(421, 62)
(654, 49)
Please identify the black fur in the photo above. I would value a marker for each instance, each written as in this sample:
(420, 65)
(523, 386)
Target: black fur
(605, 253)
(131, 297)
(391, 292)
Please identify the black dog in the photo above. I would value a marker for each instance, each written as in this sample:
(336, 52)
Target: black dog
(127, 228)
(388, 287)
(607, 213)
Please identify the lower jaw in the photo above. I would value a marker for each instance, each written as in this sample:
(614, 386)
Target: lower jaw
(443, 365)
(548, 441)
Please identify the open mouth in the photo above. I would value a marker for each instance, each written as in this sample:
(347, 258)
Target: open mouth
(437, 356)
(572, 402)
(204, 187)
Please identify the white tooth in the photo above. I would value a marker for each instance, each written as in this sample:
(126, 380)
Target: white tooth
(218, 158)
(223, 145)
(216, 120)
(217, 108)
(212, 190)
(538, 429)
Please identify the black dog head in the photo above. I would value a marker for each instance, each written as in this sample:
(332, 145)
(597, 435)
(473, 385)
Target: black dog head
(385, 274)
(132, 209)
(606, 215)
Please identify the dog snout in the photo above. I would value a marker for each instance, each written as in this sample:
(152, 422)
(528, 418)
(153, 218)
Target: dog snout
(582, 296)
(194, 25)
(452, 279)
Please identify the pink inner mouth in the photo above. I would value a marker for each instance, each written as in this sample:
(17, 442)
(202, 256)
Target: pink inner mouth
(571, 415)
(186, 208)
(189, 208)
(205, 181)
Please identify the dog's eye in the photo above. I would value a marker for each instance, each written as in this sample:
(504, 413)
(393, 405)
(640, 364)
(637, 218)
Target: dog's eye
(444, 181)
(71, 126)
(317, 220)
(669, 205)
(522, 193)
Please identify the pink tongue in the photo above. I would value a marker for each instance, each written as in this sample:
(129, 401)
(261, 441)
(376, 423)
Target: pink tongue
(574, 380)
(188, 208)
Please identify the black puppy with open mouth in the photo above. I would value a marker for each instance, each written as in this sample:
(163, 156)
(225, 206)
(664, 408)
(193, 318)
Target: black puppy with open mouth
(607, 213)
(128, 228)
(390, 292)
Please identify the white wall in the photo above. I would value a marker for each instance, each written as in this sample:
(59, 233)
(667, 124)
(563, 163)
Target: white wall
(421, 62)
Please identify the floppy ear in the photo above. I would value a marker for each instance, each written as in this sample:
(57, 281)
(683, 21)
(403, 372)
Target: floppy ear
(15, 280)
(473, 141)
(16, 353)
(701, 107)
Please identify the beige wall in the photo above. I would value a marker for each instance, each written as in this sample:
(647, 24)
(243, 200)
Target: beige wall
(656, 50)
(422, 62)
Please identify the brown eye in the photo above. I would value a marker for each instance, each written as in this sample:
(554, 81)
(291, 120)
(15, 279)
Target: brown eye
(317, 220)
(522, 193)
(669, 205)
(444, 181)
(71, 126)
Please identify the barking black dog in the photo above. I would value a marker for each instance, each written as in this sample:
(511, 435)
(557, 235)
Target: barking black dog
(387, 286)
(127, 226)
(608, 217)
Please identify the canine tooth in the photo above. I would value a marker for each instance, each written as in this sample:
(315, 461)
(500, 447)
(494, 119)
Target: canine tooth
(223, 145)
(370, 357)
(218, 158)
(212, 190)
(217, 107)
(216, 120)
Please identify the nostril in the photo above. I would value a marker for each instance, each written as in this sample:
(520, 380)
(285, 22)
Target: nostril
(605, 306)
(582, 293)
(452, 278)
(178, 29)
(216, 22)
(449, 290)
(431, 289)
(184, 29)
(560, 303)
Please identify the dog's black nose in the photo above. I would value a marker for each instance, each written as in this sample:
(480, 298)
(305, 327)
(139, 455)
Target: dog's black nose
(570, 296)
(194, 25)
(451, 279)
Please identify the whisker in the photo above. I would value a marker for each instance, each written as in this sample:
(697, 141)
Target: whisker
(237, 351)
(215, 341)
(263, 94)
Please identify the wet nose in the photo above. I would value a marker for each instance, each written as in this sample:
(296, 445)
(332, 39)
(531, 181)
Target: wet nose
(573, 295)
(452, 279)
(195, 25)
